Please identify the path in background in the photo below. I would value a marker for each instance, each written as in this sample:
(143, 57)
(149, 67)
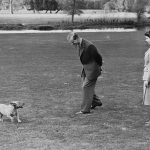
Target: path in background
(42, 18)
(66, 31)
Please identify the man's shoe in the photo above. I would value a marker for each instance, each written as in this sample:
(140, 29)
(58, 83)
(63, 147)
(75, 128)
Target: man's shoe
(95, 97)
(96, 103)
(81, 112)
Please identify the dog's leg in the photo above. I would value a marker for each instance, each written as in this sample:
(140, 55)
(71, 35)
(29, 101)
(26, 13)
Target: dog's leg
(1, 117)
(11, 118)
(17, 114)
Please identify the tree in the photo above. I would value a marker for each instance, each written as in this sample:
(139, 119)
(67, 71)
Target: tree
(0, 4)
(72, 7)
(51, 5)
(139, 7)
(10, 6)
(73, 10)
(129, 5)
(48, 5)
(110, 6)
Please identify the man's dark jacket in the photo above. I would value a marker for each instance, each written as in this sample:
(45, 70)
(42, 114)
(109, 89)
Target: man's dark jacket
(90, 59)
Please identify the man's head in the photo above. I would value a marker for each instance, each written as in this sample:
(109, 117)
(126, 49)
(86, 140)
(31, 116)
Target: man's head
(73, 38)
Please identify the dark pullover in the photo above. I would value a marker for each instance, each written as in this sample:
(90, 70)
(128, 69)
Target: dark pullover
(91, 54)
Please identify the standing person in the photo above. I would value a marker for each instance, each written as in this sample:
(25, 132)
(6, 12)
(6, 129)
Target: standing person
(92, 62)
(146, 74)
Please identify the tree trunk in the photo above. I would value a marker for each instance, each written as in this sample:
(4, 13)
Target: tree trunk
(44, 3)
(73, 11)
(10, 6)
(95, 4)
(139, 16)
(135, 2)
(124, 7)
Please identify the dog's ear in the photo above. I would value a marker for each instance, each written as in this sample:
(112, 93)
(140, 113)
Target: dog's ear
(17, 104)
(13, 104)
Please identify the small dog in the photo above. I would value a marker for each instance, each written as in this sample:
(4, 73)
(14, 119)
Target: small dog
(11, 110)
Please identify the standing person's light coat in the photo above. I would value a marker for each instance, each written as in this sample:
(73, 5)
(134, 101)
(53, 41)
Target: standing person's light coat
(146, 73)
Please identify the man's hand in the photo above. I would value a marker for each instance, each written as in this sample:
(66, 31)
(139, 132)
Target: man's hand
(100, 68)
(146, 83)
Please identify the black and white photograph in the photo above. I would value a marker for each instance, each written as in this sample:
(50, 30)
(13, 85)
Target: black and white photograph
(74, 74)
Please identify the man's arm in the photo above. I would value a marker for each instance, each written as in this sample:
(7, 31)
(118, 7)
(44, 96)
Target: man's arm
(96, 55)
(91, 54)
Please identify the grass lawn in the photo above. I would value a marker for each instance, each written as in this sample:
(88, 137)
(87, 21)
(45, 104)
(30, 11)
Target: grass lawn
(43, 70)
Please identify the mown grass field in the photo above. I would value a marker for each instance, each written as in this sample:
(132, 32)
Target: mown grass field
(43, 70)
